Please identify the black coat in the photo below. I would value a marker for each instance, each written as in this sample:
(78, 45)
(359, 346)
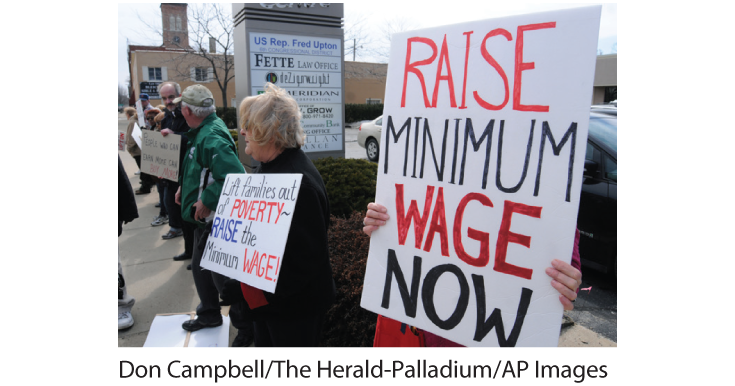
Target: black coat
(305, 283)
(127, 209)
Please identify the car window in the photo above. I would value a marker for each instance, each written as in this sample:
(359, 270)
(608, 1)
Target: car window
(592, 153)
(611, 169)
(379, 122)
(605, 130)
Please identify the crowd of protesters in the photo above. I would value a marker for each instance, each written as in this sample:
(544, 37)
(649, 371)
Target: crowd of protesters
(294, 314)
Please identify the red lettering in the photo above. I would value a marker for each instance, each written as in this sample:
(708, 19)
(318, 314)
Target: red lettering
(269, 267)
(444, 57)
(261, 210)
(245, 256)
(252, 262)
(280, 211)
(438, 225)
(252, 208)
(496, 66)
(466, 65)
(482, 237)
(520, 67)
(404, 220)
(270, 209)
(411, 67)
(261, 269)
(235, 206)
(505, 236)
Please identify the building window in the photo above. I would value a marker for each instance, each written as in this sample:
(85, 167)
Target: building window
(154, 73)
(172, 23)
(178, 24)
(373, 101)
(200, 74)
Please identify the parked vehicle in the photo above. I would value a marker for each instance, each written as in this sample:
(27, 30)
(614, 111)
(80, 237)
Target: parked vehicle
(598, 207)
(368, 136)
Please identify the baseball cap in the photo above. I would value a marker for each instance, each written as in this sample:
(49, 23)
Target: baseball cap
(144, 97)
(196, 95)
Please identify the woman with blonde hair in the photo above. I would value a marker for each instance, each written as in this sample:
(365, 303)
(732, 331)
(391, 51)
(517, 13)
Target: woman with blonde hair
(293, 315)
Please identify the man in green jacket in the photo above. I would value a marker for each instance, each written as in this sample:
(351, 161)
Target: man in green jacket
(210, 156)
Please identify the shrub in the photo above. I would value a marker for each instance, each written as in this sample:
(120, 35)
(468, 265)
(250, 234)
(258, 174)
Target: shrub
(347, 324)
(350, 183)
(361, 112)
(229, 115)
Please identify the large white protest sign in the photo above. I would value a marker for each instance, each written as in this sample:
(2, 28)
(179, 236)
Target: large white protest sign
(160, 155)
(250, 228)
(484, 134)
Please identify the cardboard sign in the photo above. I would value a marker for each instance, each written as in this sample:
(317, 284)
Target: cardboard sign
(166, 331)
(120, 140)
(251, 226)
(137, 134)
(481, 159)
(141, 116)
(160, 155)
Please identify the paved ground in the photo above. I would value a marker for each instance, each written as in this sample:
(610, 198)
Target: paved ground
(161, 285)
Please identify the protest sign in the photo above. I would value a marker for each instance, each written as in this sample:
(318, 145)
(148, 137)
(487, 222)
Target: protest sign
(137, 134)
(160, 155)
(484, 134)
(251, 226)
(139, 110)
(120, 140)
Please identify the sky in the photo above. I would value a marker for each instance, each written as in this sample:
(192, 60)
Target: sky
(131, 30)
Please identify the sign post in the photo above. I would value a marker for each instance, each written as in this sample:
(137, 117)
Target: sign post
(485, 129)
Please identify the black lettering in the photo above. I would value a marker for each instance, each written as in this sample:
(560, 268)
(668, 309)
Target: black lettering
(546, 132)
(427, 296)
(469, 133)
(391, 129)
(525, 165)
(410, 301)
(496, 320)
(427, 132)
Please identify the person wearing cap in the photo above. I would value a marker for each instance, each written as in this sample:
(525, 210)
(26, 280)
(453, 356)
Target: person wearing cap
(144, 101)
(209, 157)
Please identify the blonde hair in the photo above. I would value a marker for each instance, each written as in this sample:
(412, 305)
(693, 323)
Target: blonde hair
(130, 112)
(272, 115)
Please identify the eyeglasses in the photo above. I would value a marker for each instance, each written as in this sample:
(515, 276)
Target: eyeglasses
(150, 118)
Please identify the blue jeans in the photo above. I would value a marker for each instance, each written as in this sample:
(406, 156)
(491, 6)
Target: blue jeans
(161, 187)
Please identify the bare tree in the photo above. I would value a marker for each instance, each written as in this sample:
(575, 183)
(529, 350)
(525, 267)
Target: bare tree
(358, 40)
(387, 29)
(122, 95)
(210, 25)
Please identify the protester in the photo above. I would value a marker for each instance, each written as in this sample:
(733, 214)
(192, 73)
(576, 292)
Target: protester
(144, 101)
(566, 277)
(146, 181)
(161, 183)
(211, 155)
(174, 123)
(292, 316)
(127, 211)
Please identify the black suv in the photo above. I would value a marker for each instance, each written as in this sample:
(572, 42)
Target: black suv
(598, 207)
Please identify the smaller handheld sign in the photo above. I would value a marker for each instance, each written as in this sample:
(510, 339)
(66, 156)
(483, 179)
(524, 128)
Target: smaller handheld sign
(141, 116)
(250, 228)
(137, 133)
(160, 155)
(120, 140)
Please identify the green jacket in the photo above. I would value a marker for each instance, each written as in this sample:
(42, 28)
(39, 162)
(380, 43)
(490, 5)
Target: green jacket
(210, 156)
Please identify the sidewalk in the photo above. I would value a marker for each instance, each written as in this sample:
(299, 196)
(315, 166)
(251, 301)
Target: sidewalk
(161, 285)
